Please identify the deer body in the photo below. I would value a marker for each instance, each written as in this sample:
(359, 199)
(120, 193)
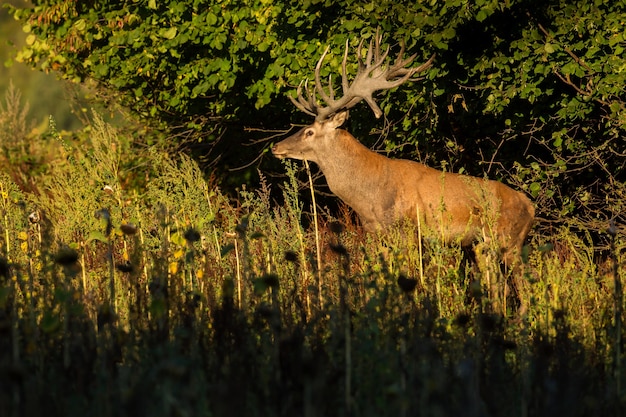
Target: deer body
(383, 191)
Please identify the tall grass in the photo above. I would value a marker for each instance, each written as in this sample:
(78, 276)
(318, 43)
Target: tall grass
(172, 299)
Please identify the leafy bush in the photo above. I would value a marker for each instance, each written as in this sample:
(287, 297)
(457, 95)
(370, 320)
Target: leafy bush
(531, 92)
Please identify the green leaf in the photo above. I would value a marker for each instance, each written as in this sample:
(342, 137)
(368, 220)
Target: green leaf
(535, 188)
(169, 33)
(98, 236)
(211, 19)
(178, 238)
(80, 25)
(263, 46)
(174, 101)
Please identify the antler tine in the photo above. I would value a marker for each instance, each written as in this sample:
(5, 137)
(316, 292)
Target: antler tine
(311, 97)
(308, 104)
(346, 101)
(372, 63)
(405, 74)
(318, 82)
(400, 63)
(345, 85)
(377, 39)
(425, 65)
(359, 57)
(399, 67)
(368, 56)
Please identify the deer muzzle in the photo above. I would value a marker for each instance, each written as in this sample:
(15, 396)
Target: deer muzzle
(279, 152)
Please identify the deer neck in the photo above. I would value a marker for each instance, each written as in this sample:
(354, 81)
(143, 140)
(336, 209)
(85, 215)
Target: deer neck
(349, 167)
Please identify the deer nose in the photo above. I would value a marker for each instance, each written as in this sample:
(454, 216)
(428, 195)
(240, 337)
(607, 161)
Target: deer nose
(277, 152)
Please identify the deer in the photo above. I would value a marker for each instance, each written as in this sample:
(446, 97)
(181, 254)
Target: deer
(382, 190)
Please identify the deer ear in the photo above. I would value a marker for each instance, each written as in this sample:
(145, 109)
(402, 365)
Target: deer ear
(338, 119)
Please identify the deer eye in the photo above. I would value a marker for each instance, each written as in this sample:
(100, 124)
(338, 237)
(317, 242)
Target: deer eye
(308, 133)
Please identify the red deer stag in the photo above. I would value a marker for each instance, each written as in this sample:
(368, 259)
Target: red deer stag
(383, 190)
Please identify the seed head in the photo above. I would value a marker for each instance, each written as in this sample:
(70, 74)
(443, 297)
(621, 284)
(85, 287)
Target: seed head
(407, 284)
(271, 280)
(128, 229)
(339, 249)
(66, 256)
(336, 227)
(291, 256)
(126, 267)
(192, 235)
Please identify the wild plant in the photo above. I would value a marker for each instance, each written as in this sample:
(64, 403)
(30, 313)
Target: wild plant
(14, 128)
(176, 299)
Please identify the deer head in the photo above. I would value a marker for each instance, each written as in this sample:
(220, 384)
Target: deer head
(374, 74)
(383, 190)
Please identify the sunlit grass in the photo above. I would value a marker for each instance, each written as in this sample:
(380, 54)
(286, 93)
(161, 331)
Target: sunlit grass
(174, 299)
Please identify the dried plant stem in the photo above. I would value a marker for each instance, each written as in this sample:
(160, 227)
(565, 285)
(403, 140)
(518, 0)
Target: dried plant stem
(7, 238)
(83, 272)
(238, 262)
(111, 276)
(348, 387)
(618, 310)
(420, 249)
(31, 282)
(142, 242)
(305, 275)
(318, 250)
(213, 228)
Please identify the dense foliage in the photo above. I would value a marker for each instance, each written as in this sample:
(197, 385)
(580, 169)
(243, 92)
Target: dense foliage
(527, 90)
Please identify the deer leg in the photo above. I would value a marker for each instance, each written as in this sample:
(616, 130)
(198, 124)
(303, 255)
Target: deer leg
(514, 268)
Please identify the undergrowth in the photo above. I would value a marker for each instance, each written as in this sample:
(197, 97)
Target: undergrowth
(173, 299)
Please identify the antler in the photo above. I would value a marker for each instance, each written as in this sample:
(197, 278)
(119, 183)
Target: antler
(372, 75)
